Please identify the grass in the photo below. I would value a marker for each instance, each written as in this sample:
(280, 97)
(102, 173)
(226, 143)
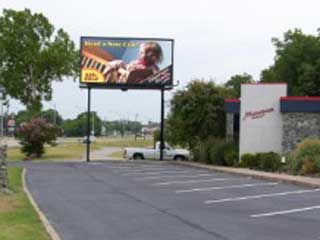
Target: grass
(62, 152)
(124, 142)
(118, 154)
(18, 219)
(72, 148)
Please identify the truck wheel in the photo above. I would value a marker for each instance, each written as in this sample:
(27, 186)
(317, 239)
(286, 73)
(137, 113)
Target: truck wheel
(138, 156)
(179, 158)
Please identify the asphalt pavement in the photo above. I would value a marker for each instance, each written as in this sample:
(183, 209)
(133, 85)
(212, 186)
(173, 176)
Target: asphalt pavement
(160, 201)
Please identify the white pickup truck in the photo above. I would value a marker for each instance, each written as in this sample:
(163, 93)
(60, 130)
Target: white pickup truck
(154, 153)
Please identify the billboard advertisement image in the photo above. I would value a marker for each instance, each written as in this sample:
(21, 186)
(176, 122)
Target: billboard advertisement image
(126, 62)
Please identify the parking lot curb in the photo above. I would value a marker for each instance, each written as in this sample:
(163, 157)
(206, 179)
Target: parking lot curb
(281, 177)
(47, 225)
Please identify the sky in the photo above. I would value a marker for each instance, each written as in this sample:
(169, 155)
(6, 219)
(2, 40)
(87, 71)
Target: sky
(213, 40)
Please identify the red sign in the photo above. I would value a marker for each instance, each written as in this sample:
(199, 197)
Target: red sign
(11, 123)
(257, 114)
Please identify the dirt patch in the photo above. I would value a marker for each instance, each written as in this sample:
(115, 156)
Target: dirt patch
(6, 204)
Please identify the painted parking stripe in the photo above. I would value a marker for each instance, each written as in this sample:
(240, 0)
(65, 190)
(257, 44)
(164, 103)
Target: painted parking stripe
(260, 196)
(153, 173)
(270, 214)
(126, 171)
(194, 181)
(139, 169)
(225, 187)
(176, 176)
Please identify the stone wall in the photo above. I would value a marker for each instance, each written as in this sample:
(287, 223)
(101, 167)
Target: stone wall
(3, 168)
(299, 126)
(229, 126)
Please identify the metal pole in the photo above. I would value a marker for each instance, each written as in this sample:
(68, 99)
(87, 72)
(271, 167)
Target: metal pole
(162, 125)
(88, 125)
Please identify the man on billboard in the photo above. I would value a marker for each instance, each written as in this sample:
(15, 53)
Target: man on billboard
(150, 54)
(126, 62)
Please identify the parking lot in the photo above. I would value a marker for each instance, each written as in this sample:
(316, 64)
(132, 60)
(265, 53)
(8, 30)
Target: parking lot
(155, 200)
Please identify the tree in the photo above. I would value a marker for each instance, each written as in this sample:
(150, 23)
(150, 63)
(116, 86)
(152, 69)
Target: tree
(297, 62)
(22, 117)
(78, 127)
(32, 56)
(197, 113)
(52, 116)
(236, 80)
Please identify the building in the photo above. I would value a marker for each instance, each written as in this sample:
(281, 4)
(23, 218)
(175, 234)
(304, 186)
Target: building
(265, 119)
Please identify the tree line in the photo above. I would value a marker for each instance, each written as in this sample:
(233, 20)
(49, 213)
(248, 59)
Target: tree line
(77, 127)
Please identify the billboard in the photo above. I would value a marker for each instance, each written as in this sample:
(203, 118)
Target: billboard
(126, 62)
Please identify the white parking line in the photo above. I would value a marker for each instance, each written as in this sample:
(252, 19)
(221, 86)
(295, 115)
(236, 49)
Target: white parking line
(194, 181)
(152, 173)
(269, 214)
(260, 196)
(176, 176)
(125, 171)
(225, 187)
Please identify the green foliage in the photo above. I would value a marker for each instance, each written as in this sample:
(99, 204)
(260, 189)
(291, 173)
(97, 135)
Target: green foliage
(269, 161)
(18, 219)
(52, 116)
(32, 55)
(235, 82)
(297, 62)
(231, 155)
(305, 159)
(78, 127)
(216, 151)
(197, 113)
(122, 126)
(34, 134)
(249, 160)
(156, 136)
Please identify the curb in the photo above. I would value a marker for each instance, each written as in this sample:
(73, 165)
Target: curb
(296, 180)
(47, 225)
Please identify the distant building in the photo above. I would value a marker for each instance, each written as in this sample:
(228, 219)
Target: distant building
(264, 119)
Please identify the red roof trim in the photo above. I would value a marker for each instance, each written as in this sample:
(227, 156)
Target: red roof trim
(305, 98)
(232, 100)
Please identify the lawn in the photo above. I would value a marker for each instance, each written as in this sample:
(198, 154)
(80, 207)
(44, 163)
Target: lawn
(118, 154)
(72, 148)
(18, 219)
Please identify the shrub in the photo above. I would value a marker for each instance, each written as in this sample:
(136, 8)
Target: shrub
(216, 152)
(249, 160)
(231, 155)
(199, 152)
(305, 159)
(34, 134)
(269, 161)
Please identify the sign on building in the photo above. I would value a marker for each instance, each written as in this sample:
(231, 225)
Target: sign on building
(260, 117)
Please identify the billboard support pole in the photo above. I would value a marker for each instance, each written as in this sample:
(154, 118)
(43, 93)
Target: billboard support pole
(88, 125)
(162, 125)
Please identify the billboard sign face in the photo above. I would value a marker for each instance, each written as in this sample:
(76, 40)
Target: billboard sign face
(126, 62)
